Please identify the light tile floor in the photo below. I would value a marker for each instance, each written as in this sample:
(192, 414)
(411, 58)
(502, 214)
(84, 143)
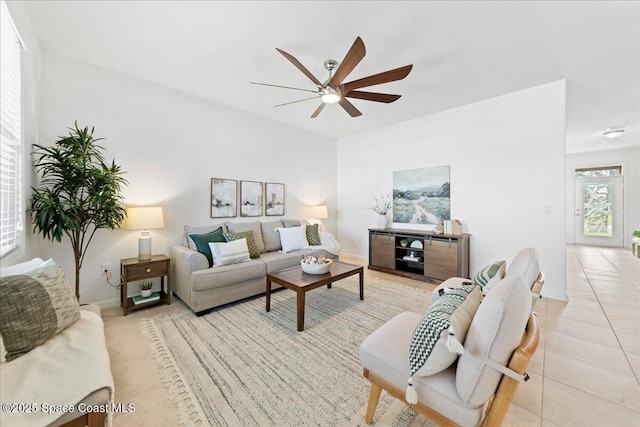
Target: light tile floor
(585, 373)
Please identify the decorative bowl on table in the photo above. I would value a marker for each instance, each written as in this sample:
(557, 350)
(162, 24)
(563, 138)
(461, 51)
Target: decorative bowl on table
(315, 265)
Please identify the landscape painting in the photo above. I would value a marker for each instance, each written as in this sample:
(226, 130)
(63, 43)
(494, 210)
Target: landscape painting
(250, 198)
(274, 194)
(422, 196)
(223, 198)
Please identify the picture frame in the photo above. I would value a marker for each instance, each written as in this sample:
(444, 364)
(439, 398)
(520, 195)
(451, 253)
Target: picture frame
(251, 197)
(224, 198)
(422, 196)
(274, 199)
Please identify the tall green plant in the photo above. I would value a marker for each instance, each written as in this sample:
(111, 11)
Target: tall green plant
(78, 193)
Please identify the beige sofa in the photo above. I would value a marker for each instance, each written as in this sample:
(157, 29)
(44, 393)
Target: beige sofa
(65, 381)
(202, 287)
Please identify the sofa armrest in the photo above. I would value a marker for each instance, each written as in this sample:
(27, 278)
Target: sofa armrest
(185, 261)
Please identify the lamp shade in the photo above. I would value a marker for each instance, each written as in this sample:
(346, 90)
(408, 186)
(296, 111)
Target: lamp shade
(318, 212)
(144, 218)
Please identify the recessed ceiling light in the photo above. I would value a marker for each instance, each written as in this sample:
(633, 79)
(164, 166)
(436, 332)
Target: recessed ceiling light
(613, 133)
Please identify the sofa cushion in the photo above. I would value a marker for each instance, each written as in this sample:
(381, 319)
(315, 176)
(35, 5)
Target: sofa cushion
(291, 223)
(313, 236)
(202, 242)
(437, 339)
(34, 307)
(204, 229)
(526, 265)
(270, 236)
(277, 261)
(255, 227)
(70, 368)
(293, 238)
(227, 275)
(385, 353)
(254, 252)
(490, 275)
(495, 332)
(231, 252)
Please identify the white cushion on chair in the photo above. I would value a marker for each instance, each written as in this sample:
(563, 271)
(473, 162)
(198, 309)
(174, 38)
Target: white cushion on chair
(525, 265)
(385, 353)
(495, 332)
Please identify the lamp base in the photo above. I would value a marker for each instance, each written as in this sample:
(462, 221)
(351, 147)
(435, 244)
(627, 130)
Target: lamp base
(144, 246)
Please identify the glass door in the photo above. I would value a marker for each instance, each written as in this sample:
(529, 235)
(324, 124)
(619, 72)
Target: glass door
(599, 211)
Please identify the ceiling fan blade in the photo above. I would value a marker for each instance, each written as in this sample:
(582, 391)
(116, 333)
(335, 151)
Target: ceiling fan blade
(349, 107)
(284, 87)
(351, 59)
(300, 67)
(295, 102)
(376, 79)
(318, 110)
(373, 96)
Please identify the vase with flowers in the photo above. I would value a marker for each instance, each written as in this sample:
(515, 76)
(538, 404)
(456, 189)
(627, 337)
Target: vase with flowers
(382, 205)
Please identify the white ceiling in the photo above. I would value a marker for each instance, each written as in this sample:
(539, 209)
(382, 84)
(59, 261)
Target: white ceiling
(462, 52)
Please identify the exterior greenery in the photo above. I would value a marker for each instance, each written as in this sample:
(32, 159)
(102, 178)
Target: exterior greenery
(78, 193)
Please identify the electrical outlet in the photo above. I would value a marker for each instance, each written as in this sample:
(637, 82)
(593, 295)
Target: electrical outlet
(105, 267)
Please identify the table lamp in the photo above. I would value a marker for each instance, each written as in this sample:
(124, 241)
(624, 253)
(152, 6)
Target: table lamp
(318, 213)
(144, 218)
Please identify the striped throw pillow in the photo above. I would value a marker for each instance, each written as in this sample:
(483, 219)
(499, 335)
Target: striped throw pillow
(490, 275)
(437, 340)
(228, 253)
(34, 307)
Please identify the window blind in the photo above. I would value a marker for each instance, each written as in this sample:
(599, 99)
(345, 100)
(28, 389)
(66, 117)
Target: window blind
(10, 134)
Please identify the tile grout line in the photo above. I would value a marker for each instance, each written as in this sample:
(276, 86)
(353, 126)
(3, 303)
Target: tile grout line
(605, 312)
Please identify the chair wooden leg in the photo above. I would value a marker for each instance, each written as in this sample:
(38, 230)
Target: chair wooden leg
(374, 398)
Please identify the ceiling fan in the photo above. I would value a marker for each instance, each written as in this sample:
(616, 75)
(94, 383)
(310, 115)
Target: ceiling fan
(333, 90)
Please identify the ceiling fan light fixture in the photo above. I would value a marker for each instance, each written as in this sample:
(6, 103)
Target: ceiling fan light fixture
(330, 96)
(613, 133)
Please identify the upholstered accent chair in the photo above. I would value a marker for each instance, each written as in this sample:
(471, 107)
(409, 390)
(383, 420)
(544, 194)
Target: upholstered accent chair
(478, 388)
(525, 264)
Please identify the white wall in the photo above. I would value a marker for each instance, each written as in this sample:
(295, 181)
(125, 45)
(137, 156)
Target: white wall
(171, 144)
(629, 159)
(507, 158)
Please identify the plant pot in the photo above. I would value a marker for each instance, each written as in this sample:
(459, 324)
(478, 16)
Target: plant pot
(382, 221)
(144, 293)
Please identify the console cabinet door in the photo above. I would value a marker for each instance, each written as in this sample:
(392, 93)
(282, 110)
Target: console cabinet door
(440, 258)
(383, 252)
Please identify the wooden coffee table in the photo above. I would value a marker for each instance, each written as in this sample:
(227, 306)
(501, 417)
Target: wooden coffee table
(301, 282)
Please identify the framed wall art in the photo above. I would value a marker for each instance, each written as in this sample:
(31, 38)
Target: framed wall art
(274, 195)
(422, 196)
(250, 198)
(224, 200)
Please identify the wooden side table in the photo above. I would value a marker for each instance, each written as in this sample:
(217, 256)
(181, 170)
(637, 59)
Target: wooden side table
(133, 269)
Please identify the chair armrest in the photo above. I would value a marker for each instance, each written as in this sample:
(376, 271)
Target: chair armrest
(185, 261)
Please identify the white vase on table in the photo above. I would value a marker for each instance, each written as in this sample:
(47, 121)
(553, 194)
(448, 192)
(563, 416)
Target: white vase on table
(382, 221)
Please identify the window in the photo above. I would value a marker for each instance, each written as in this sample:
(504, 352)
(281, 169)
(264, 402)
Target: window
(599, 171)
(10, 138)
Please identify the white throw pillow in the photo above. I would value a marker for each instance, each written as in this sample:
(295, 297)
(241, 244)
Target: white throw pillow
(293, 238)
(225, 253)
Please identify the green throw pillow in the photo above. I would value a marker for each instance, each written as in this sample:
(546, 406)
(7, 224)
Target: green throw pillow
(34, 307)
(438, 338)
(313, 236)
(202, 242)
(251, 242)
(490, 275)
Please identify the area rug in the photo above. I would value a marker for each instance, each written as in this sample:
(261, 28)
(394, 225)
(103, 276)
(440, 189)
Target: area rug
(242, 366)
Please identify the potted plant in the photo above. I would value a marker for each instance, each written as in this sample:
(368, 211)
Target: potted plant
(78, 192)
(382, 206)
(404, 243)
(145, 289)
